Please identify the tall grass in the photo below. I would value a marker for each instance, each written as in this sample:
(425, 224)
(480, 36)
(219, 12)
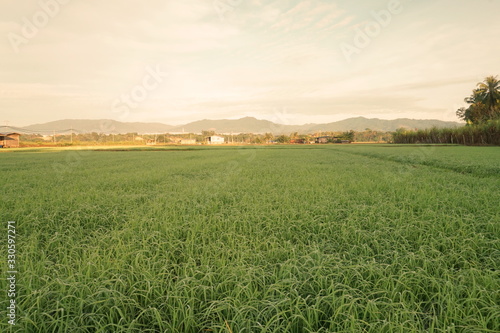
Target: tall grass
(484, 134)
(309, 239)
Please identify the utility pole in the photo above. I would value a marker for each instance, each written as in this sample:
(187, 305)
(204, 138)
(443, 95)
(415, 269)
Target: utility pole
(54, 136)
(71, 134)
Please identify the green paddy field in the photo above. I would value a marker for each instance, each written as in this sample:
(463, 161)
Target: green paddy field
(313, 238)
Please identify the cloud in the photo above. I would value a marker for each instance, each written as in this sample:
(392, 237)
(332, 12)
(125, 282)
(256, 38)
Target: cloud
(265, 55)
(310, 15)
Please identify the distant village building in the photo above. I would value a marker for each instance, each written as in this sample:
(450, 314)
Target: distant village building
(330, 139)
(214, 140)
(9, 140)
(323, 139)
(188, 141)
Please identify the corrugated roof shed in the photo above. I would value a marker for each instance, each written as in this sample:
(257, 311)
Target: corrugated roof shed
(9, 140)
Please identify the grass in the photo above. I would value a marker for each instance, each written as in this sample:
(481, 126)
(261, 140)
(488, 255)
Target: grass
(256, 239)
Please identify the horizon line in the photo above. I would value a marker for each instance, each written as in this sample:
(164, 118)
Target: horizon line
(220, 119)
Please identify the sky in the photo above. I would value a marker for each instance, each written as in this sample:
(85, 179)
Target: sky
(288, 61)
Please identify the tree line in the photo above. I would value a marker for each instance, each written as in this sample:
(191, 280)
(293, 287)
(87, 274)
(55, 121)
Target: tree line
(95, 138)
(481, 116)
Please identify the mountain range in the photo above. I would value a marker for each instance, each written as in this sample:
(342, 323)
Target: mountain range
(243, 125)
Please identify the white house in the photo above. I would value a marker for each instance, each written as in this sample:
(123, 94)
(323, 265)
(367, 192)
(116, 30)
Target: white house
(215, 140)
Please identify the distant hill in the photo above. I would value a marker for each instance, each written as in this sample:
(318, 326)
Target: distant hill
(243, 125)
(107, 126)
(362, 123)
(253, 125)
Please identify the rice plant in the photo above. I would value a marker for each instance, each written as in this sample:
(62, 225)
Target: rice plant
(256, 239)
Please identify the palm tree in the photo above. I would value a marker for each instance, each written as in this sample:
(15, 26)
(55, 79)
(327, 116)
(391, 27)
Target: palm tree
(484, 103)
(488, 93)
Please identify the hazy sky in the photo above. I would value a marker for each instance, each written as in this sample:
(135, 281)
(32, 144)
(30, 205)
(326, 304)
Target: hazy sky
(287, 61)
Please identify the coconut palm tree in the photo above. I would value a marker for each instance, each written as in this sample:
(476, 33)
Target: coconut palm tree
(484, 103)
(488, 92)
